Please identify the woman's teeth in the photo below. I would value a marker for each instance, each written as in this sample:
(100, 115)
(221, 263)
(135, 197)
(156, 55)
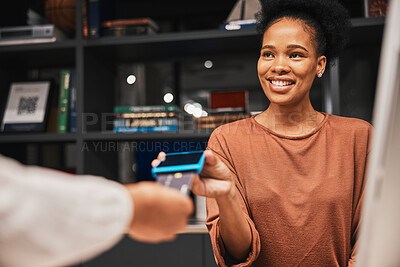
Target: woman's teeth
(281, 83)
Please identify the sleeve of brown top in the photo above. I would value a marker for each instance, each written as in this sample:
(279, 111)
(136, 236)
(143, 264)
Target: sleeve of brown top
(361, 171)
(222, 257)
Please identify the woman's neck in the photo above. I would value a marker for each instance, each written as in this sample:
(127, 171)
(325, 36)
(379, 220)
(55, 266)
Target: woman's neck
(290, 121)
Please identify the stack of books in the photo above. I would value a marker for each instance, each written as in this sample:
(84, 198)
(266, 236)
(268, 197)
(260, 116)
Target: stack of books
(145, 118)
(225, 107)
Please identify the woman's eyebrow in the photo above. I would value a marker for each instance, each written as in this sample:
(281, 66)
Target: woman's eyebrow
(297, 46)
(268, 46)
(289, 46)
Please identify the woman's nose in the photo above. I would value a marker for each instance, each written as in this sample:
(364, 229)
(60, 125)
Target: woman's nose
(280, 65)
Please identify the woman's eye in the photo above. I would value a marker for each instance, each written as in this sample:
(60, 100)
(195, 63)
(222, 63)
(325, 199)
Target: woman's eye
(296, 55)
(267, 54)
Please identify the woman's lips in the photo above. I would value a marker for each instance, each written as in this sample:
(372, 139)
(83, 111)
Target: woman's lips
(280, 86)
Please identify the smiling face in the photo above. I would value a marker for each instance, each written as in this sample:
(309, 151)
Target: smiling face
(289, 62)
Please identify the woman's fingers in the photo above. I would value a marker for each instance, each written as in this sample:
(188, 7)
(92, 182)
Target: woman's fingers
(210, 158)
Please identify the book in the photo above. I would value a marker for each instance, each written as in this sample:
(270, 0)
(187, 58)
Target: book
(63, 103)
(94, 18)
(141, 115)
(72, 102)
(225, 110)
(223, 117)
(128, 30)
(211, 125)
(145, 129)
(98, 11)
(213, 121)
(155, 108)
(132, 22)
(151, 122)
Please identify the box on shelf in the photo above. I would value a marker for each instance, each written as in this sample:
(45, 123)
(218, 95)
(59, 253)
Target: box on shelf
(30, 34)
(124, 27)
(225, 107)
(27, 107)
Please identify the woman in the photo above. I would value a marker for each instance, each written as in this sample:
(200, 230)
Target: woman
(298, 173)
(284, 187)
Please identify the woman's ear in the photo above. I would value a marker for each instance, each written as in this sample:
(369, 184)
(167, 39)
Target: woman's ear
(321, 64)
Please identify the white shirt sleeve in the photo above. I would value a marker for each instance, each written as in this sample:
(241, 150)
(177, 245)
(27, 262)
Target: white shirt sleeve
(51, 218)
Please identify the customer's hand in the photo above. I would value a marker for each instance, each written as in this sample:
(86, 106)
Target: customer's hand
(159, 212)
(215, 180)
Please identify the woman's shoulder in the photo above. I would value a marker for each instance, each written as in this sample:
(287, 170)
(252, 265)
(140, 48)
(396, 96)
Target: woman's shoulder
(348, 124)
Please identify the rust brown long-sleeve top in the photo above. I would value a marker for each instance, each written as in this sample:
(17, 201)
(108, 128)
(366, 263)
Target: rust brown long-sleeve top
(300, 195)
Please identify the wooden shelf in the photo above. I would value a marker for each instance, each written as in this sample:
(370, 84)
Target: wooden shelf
(172, 135)
(70, 43)
(366, 22)
(102, 136)
(171, 37)
(37, 137)
(174, 45)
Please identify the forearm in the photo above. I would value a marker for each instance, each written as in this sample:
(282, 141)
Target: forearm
(234, 228)
(52, 218)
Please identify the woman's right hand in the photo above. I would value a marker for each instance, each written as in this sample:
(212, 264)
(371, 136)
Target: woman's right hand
(215, 180)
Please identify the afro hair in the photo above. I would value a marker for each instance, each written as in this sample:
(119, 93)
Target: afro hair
(328, 20)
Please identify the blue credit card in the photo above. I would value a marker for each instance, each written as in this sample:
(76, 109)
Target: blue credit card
(180, 162)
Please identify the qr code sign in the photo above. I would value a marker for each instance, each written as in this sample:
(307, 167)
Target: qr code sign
(27, 105)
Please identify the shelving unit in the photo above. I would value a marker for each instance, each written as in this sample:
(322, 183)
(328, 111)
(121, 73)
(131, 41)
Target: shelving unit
(96, 60)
